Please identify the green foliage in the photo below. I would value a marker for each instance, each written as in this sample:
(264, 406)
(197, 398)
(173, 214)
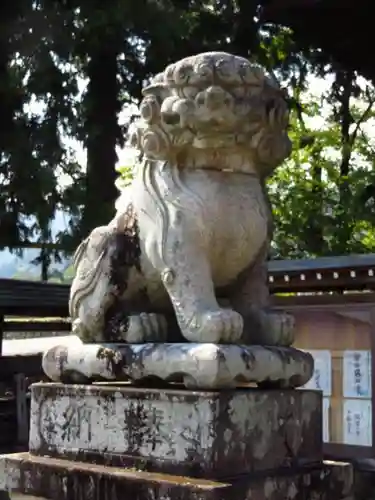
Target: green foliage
(318, 194)
(38, 93)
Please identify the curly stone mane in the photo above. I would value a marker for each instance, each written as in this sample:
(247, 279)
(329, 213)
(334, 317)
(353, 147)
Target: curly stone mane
(213, 100)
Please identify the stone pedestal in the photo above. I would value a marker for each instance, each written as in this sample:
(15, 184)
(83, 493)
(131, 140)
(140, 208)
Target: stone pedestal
(205, 434)
(116, 441)
(197, 366)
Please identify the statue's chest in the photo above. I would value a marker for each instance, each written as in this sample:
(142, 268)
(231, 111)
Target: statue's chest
(239, 235)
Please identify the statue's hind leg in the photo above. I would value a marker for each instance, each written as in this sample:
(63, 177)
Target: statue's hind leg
(250, 297)
(108, 268)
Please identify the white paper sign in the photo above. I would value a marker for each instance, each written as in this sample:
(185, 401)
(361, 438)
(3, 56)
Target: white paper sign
(357, 374)
(322, 376)
(357, 424)
(326, 407)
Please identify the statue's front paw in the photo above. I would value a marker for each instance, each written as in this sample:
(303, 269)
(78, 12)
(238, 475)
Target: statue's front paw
(220, 326)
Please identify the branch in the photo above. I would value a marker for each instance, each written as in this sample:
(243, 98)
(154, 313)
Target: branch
(371, 150)
(363, 118)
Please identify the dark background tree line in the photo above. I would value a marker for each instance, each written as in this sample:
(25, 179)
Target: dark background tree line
(68, 68)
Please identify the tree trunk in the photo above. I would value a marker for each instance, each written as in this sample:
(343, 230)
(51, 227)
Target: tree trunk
(245, 30)
(315, 234)
(345, 119)
(102, 134)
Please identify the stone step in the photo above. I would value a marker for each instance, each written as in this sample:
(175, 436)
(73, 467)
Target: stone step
(202, 434)
(59, 479)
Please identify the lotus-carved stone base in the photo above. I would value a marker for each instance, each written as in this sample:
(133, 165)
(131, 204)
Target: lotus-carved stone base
(197, 366)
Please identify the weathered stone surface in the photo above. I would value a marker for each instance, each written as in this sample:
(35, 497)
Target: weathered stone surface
(207, 434)
(197, 366)
(65, 480)
(337, 480)
(194, 226)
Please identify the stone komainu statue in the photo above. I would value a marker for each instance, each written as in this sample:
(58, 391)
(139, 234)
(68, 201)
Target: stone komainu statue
(192, 231)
